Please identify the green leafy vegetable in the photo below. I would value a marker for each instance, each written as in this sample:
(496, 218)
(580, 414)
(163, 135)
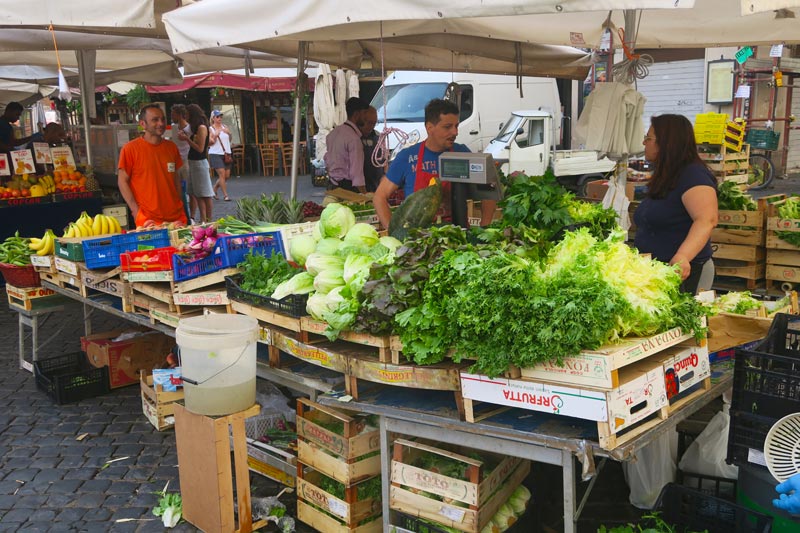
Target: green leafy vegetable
(169, 508)
(731, 198)
(790, 209)
(262, 275)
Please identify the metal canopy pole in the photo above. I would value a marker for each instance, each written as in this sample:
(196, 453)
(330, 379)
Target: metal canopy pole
(87, 96)
(298, 89)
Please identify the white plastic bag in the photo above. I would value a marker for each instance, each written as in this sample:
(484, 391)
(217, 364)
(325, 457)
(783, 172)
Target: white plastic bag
(706, 455)
(653, 468)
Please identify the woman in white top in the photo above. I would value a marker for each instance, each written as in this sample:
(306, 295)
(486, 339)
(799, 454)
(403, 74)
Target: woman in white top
(219, 145)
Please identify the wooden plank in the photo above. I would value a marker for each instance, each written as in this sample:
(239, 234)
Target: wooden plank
(157, 291)
(204, 281)
(738, 252)
(736, 269)
(339, 469)
(266, 315)
(783, 257)
(381, 342)
(782, 273)
(738, 236)
(332, 359)
(443, 376)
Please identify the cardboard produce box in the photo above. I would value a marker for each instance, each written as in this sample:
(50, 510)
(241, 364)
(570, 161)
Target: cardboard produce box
(124, 358)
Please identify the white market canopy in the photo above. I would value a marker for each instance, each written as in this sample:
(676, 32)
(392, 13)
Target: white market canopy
(338, 28)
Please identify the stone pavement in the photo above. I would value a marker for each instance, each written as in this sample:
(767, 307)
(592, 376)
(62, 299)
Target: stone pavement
(49, 481)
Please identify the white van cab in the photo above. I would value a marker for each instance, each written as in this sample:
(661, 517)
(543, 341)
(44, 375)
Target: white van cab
(486, 103)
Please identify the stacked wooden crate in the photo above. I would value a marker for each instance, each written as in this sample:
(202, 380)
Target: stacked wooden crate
(350, 457)
(783, 257)
(727, 164)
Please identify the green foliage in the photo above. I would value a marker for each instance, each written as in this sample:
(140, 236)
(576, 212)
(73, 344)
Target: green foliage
(261, 274)
(790, 209)
(650, 523)
(731, 198)
(137, 97)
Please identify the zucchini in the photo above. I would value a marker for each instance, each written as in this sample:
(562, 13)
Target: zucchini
(417, 211)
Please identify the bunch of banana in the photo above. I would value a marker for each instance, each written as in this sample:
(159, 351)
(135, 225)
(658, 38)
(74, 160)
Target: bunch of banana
(44, 246)
(48, 183)
(87, 226)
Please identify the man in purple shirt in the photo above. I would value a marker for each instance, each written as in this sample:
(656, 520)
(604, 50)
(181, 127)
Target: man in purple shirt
(344, 159)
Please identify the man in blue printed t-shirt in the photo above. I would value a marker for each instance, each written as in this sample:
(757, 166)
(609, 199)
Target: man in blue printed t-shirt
(441, 124)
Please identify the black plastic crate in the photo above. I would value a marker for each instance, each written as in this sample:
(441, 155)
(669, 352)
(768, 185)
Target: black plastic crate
(70, 378)
(693, 510)
(766, 379)
(293, 305)
(719, 487)
(747, 431)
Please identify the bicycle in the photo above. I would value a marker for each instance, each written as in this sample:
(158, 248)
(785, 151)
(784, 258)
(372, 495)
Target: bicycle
(763, 170)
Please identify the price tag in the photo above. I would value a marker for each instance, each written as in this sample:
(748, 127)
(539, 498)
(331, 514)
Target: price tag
(41, 152)
(776, 50)
(453, 513)
(337, 507)
(743, 91)
(63, 158)
(756, 457)
(22, 161)
(742, 55)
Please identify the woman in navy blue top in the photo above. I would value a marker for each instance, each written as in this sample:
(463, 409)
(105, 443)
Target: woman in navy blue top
(674, 221)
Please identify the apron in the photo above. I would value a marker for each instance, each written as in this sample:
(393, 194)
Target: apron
(423, 179)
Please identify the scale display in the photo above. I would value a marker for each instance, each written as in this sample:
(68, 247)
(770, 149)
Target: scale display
(465, 167)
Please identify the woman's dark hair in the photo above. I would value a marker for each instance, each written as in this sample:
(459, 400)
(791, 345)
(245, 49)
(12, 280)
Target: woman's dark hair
(196, 118)
(676, 150)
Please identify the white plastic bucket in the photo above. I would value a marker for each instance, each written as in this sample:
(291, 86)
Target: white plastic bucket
(218, 360)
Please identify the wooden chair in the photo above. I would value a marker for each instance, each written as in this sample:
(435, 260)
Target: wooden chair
(269, 158)
(286, 150)
(237, 152)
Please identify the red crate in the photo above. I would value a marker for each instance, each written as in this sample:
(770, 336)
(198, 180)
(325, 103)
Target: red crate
(148, 260)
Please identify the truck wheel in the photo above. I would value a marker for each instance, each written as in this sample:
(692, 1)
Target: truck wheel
(584, 180)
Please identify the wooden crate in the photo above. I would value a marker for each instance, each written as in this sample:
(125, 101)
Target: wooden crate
(775, 224)
(29, 298)
(348, 463)
(347, 512)
(109, 282)
(158, 405)
(640, 394)
(753, 271)
(44, 263)
(274, 463)
(744, 227)
(65, 281)
(325, 523)
(480, 493)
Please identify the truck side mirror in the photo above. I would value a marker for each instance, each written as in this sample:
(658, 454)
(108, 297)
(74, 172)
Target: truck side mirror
(501, 127)
(520, 131)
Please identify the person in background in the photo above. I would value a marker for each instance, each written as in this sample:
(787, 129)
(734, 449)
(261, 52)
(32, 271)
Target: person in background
(220, 146)
(9, 117)
(369, 139)
(675, 219)
(344, 159)
(414, 167)
(199, 184)
(178, 114)
(148, 173)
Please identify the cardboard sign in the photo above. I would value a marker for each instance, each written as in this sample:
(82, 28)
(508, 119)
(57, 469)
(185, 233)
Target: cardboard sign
(22, 162)
(5, 169)
(41, 152)
(62, 156)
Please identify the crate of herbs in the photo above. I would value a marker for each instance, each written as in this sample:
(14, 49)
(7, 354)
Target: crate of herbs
(328, 505)
(345, 448)
(272, 283)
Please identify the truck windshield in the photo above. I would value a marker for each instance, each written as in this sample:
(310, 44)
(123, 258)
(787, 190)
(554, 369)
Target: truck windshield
(406, 103)
(509, 129)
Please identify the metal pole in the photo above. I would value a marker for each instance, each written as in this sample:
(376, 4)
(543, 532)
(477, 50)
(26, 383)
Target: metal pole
(298, 89)
(87, 95)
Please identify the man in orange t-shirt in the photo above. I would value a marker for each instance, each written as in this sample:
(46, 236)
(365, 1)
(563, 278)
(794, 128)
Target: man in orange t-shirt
(148, 172)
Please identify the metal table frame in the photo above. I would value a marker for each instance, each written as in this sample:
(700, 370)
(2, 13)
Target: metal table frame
(31, 319)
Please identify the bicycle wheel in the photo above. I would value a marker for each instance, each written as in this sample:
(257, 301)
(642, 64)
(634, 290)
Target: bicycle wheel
(762, 171)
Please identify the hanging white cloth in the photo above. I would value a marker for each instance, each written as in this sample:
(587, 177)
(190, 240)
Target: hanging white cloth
(324, 109)
(353, 88)
(611, 121)
(340, 93)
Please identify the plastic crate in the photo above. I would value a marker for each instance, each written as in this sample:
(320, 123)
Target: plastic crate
(293, 305)
(69, 378)
(184, 269)
(100, 253)
(234, 248)
(158, 259)
(763, 139)
(141, 240)
(766, 379)
(747, 432)
(20, 276)
(692, 510)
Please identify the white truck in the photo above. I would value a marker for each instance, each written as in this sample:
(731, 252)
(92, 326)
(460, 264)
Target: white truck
(485, 103)
(527, 144)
